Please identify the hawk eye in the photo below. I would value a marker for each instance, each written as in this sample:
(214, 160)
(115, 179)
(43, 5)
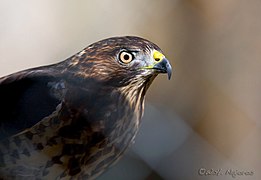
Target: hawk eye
(126, 57)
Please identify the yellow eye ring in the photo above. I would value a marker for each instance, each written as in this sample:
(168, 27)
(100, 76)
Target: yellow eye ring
(126, 57)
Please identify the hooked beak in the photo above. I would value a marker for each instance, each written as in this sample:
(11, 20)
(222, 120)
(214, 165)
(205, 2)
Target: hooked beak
(163, 66)
(160, 64)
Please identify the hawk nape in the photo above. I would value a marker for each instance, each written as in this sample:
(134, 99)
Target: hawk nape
(77, 117)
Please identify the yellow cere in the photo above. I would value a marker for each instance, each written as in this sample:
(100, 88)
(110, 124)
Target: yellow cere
(158, 56)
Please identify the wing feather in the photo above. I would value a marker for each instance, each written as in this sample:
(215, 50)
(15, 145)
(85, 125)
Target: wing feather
(26, 98)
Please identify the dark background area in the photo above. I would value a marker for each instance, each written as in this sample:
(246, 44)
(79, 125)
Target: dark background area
(206, 116)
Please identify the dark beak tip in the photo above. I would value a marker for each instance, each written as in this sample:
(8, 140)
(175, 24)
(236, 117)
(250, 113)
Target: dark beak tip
(169, 70)
(169, 75)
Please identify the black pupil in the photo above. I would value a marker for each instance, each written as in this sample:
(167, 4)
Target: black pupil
(126, 57)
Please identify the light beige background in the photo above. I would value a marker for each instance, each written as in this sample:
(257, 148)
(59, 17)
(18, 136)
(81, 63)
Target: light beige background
(207, 116)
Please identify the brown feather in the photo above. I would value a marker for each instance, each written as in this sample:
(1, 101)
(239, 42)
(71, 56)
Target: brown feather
(75, 118)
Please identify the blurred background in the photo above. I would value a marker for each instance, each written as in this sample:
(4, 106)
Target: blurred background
(207, 117)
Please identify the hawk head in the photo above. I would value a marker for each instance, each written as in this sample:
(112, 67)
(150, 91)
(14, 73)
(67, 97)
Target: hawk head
(122, 61)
